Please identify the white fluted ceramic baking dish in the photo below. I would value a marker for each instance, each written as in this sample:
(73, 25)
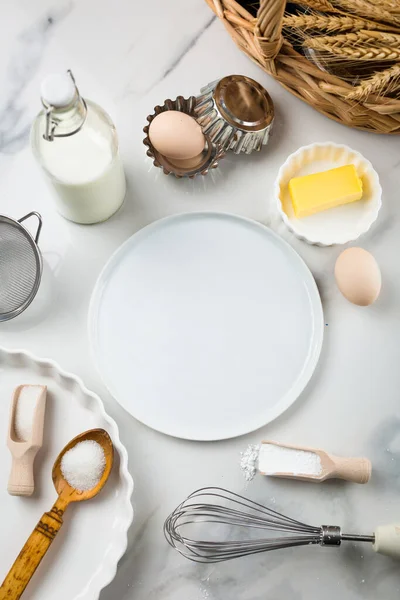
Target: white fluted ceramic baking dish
(84, 556)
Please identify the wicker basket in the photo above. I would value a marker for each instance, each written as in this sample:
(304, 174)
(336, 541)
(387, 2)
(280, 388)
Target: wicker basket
(261, 39)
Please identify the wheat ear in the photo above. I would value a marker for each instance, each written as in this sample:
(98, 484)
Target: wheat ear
(322, 5)
(353, 52)
(375, 39)
(392, 6)
(382, 81)
(369, 10)
(330, 23)
(382, 37)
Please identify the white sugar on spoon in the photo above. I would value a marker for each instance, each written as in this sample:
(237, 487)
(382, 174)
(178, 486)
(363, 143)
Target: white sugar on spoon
(83, 465)
(25, 436)
(305, 464)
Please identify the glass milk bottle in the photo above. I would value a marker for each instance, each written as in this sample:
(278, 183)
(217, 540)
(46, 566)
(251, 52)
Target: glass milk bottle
(76, 144)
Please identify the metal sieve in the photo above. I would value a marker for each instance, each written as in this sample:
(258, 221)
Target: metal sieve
(20, 265)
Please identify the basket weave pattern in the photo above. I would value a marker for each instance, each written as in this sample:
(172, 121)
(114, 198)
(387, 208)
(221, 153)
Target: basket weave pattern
(262, 40)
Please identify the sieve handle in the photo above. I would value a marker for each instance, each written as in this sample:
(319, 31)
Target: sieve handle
(39, 218)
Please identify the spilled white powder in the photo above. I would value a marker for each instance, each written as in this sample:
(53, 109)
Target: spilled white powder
(83, 465)
(25, 411)
(249, 461)
(276, 459)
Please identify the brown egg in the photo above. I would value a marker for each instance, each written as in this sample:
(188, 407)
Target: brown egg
(358, 276)
(176, 135)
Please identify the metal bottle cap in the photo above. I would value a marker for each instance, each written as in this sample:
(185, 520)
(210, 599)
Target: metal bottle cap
(237, 112)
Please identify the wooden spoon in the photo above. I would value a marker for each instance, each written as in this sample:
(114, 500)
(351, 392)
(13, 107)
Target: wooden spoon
(49, 525)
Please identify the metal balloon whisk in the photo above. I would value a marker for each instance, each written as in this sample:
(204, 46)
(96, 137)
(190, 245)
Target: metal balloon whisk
(213, 507)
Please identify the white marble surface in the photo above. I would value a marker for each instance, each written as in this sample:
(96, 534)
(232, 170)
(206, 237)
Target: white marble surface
(129, 56)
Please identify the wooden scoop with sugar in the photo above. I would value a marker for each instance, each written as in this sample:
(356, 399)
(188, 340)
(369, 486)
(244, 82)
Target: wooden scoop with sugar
(310, 464)
(25, 436)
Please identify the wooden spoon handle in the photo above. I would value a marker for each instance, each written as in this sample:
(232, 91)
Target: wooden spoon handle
(31, 554)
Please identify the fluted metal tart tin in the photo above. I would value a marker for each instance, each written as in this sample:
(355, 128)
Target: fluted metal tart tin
(236, 112)
(208, 159)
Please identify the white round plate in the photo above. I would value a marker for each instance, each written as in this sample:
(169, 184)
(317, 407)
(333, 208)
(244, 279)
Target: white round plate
(205, 326)
(338, 225)
(83, 557)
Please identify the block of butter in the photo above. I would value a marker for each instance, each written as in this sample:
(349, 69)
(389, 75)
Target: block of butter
(327, 189)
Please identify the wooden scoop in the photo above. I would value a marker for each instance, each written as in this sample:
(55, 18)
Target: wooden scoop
(49, 525)
(25, 445)
(357, 470)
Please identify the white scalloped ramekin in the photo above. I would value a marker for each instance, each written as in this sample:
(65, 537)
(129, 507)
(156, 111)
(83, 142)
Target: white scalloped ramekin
(337, 225)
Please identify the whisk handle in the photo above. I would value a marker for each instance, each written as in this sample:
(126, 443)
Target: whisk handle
(387, 540)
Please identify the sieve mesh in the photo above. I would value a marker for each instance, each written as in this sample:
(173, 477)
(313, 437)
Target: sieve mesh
(20, 268)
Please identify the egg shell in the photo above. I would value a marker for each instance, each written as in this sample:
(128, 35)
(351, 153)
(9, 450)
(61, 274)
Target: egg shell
(176, 135)
(358, 276)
